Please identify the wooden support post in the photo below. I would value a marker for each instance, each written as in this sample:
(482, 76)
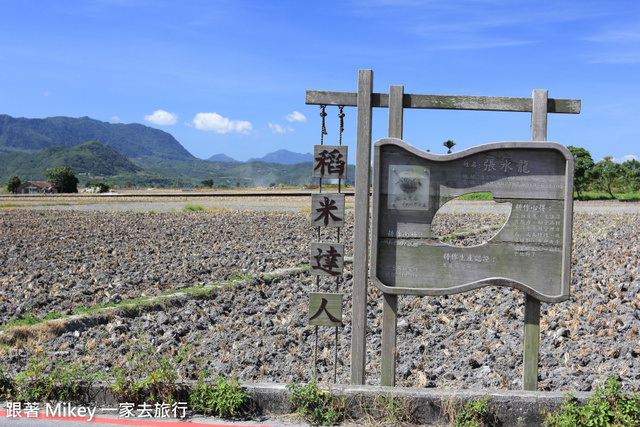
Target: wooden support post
(539, 115)
(532, 305)
(361, 228)
(531, 343)
(390, 304)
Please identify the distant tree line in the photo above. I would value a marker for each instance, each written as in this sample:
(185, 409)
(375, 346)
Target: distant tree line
(605, 176)
(63, 178)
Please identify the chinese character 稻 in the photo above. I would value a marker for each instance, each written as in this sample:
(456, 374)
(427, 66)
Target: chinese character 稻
(330, 162)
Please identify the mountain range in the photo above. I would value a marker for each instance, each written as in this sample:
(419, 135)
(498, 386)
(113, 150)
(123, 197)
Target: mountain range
(141, 144)
(133, 153)
(283, 157)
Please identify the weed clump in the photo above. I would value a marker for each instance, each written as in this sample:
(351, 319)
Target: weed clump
(219, 397)
(316, 406)
(44, 381)
(608, 406)
(146, 370)
(476, 413)
(387, 409)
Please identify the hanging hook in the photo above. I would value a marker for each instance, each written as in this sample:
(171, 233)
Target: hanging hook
(323, 114)
(341, 115)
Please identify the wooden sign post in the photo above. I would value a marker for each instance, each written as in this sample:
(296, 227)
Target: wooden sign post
(365, 100)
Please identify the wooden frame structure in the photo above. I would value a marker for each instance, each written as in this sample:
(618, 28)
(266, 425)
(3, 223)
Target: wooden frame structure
(539, 105)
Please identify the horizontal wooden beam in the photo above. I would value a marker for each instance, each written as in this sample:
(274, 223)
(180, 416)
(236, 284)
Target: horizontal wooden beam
(445, 102)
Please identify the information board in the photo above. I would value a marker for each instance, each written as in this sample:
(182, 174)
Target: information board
(532, 250)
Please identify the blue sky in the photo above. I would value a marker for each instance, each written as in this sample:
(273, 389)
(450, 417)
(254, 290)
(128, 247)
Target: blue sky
(230, 76)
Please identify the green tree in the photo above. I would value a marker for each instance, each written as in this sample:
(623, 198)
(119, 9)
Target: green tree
(632, 174)
(207, 183)
(583, 169)
(607, 175)
(103, 187)
(13, 184)
(449, 144)
(63, 178)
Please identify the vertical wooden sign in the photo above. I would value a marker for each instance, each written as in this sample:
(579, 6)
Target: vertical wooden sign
(325, 309)
(327, 210)
(327, 259)
(330, 161)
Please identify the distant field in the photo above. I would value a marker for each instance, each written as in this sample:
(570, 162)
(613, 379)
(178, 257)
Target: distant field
(254, 199)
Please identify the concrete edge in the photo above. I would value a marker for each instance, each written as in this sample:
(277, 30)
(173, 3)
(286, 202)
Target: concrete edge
(428, 406)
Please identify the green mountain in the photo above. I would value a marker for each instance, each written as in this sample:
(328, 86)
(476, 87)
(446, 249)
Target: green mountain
(131, 153)
(90, 159)
(142, 144)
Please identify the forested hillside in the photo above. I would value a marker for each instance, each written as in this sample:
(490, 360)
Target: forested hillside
(142, 144)
(88, 159)
(131, 154)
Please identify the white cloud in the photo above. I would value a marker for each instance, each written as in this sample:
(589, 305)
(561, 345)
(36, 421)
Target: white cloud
(219, 124)
(161, 117)
(616, 46)
(116, 119)
(626, 158)
(47, 93)
(276, 128)
(296, 117)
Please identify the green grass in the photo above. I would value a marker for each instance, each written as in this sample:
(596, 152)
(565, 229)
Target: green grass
(30, 319)
(190, 208)
(137, 304)
(24, 205)
(485, 195)
(589, 195)
(193, 208)
(43, 380)
(594, 195)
